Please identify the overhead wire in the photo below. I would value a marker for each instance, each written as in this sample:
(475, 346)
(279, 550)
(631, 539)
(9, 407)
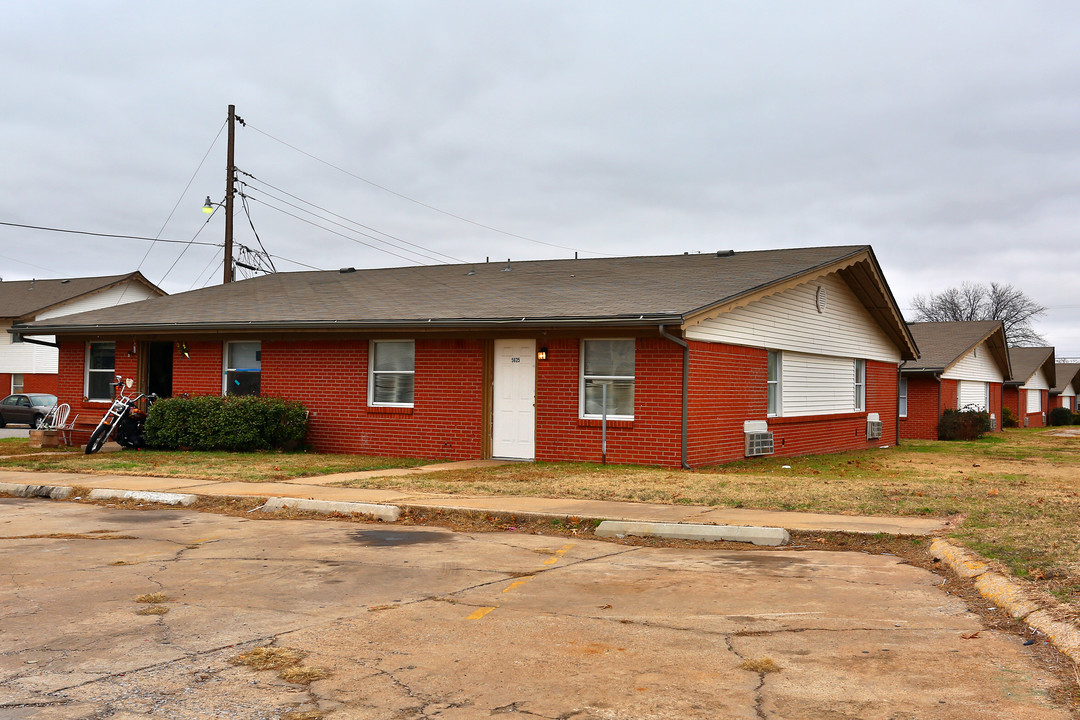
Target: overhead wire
(189, 245)
(104, 235)
(419, 202)
(346, 227)
(260, 181)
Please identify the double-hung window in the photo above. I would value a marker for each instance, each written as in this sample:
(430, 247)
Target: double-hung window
(392, 371)
(16, 383)
(100, 370)
(607, 375)
(903, 397)
(243, 368)
(773, 403)
(860, 384)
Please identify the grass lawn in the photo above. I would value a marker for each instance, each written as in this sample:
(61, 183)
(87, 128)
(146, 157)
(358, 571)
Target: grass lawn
(242, 467)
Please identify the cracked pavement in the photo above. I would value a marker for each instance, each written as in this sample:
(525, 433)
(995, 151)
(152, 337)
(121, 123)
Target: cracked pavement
(417, 622)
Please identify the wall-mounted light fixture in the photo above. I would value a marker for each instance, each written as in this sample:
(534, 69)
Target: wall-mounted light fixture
(541, 354)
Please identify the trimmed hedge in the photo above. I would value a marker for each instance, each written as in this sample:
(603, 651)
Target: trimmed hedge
(235, 422)
(1061, 416)
(963, 425)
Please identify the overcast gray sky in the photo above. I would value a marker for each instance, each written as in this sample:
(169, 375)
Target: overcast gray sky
(943, 134)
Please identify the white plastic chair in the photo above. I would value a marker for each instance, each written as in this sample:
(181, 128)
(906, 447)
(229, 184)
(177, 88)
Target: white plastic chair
(57, 419)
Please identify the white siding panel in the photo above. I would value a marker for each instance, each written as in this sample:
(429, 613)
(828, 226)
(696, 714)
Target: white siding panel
(1037, 382)
(976, 365)
(816, 384)
(790, 321)
(119, 295)
(972, 393)
(26, 357)
(1068, 391)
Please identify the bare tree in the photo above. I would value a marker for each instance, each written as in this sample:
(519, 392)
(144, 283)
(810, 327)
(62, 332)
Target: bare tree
(977, 301)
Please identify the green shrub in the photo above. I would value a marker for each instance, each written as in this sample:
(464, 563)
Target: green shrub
(1061, 416)
(963, 425)
(1008, 418)
(210, 422)
(1076, 419)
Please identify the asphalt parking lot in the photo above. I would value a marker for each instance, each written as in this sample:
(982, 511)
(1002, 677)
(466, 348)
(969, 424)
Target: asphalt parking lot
(414, 622)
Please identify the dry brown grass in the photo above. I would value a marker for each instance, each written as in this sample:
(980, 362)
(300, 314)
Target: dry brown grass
(303, 674)
(269, 658)
(152, 610)
(305, 715)
(152, 598)
(760, 665)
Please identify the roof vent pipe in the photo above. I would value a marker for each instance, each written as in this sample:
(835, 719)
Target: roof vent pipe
(343, 271)
(724, 253)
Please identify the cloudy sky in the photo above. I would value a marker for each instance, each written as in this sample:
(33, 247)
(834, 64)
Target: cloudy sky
(943, 134)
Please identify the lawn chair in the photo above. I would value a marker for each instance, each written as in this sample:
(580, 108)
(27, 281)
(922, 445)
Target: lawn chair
(57, 419)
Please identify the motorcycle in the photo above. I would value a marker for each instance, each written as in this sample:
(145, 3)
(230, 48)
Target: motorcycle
(124, 416)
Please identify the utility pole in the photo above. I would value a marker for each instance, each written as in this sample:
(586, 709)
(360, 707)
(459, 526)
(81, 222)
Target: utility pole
(230, 181)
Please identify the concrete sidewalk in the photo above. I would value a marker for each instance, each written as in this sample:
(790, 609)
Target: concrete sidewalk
(316, 488)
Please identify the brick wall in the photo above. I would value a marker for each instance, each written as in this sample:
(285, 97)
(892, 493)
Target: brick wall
(654, 435)
(32, 383)
(728, 386)
(922, 409)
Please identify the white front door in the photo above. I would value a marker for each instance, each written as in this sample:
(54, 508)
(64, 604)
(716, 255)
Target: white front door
(513, 424)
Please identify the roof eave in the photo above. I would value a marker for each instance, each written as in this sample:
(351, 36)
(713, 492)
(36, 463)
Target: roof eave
(336, 325)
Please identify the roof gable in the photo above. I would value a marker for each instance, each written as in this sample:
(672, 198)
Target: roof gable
(662, 289)
(1067, 374)
(21, 299)
(942, 345)
(1027, 361)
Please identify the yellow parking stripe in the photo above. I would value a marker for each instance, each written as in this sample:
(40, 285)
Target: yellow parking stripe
(479, 613)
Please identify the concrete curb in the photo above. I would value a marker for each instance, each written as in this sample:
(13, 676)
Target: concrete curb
(56, 492)
(154, 497)
(685, 531)
(386, 513)
(1021, 602)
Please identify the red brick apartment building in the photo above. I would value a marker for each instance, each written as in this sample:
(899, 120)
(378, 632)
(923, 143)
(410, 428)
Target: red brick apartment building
(684, 360)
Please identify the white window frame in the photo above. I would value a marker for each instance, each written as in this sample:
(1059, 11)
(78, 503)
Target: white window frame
(902, 397)
(225, 364)
(86, 370)
(21, 384)
(581, 379)
(775, 359)
(372, 372)
(860, 385)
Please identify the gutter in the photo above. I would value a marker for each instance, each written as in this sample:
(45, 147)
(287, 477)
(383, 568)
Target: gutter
(33, 342)
(324, 325)
(685, 388)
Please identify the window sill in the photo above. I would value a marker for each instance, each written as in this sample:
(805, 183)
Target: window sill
(619, 424)
(388, 410)
(794, 419)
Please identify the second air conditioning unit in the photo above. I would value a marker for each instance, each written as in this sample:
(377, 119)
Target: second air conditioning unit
(874, 427)
(759, 441)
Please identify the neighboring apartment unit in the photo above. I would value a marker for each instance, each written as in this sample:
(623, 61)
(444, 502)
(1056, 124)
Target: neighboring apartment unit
(1027, 393)
(32, 367)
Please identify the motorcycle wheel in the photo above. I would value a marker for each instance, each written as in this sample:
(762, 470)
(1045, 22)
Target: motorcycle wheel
(97, 439)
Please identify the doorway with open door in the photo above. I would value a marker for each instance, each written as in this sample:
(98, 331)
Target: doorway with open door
(157, 369)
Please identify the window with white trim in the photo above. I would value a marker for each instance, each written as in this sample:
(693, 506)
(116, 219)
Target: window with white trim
(100, 371)
(243, 368)
(860, 385)
(773, 384)
(392, 373)
(607, 374)
(903, 397)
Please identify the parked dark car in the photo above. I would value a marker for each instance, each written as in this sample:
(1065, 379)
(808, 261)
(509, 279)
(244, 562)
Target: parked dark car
(26, 409)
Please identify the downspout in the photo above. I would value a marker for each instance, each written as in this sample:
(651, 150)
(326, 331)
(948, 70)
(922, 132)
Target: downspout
(899, 379)
(685, 388)
(938, 378)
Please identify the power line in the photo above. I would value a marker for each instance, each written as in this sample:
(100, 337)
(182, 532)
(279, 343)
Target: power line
(345, 227)
(419, 202)
(342, 217)
(104, 235)
(335, 232)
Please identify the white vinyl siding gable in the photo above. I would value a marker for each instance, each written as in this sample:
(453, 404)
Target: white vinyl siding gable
(1037, 381)
(816, 384)
(973, 394)
(978, 364)
(790, 320)
(119, 295)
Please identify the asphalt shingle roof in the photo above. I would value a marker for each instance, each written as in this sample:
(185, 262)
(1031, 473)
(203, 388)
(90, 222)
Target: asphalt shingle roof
(943, 343)
(667, 286)
(1027, 360)
(1066, 373)
(25, 298)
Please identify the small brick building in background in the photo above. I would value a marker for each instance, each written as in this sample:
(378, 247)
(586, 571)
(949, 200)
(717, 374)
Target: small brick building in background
(671, 360)
(1027, 393)
(961, 365)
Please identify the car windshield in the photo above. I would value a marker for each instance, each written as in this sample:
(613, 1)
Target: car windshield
(43, 400)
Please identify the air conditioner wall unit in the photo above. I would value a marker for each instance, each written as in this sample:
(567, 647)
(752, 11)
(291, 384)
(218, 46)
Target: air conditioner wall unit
(874, 426)
(758, 439)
